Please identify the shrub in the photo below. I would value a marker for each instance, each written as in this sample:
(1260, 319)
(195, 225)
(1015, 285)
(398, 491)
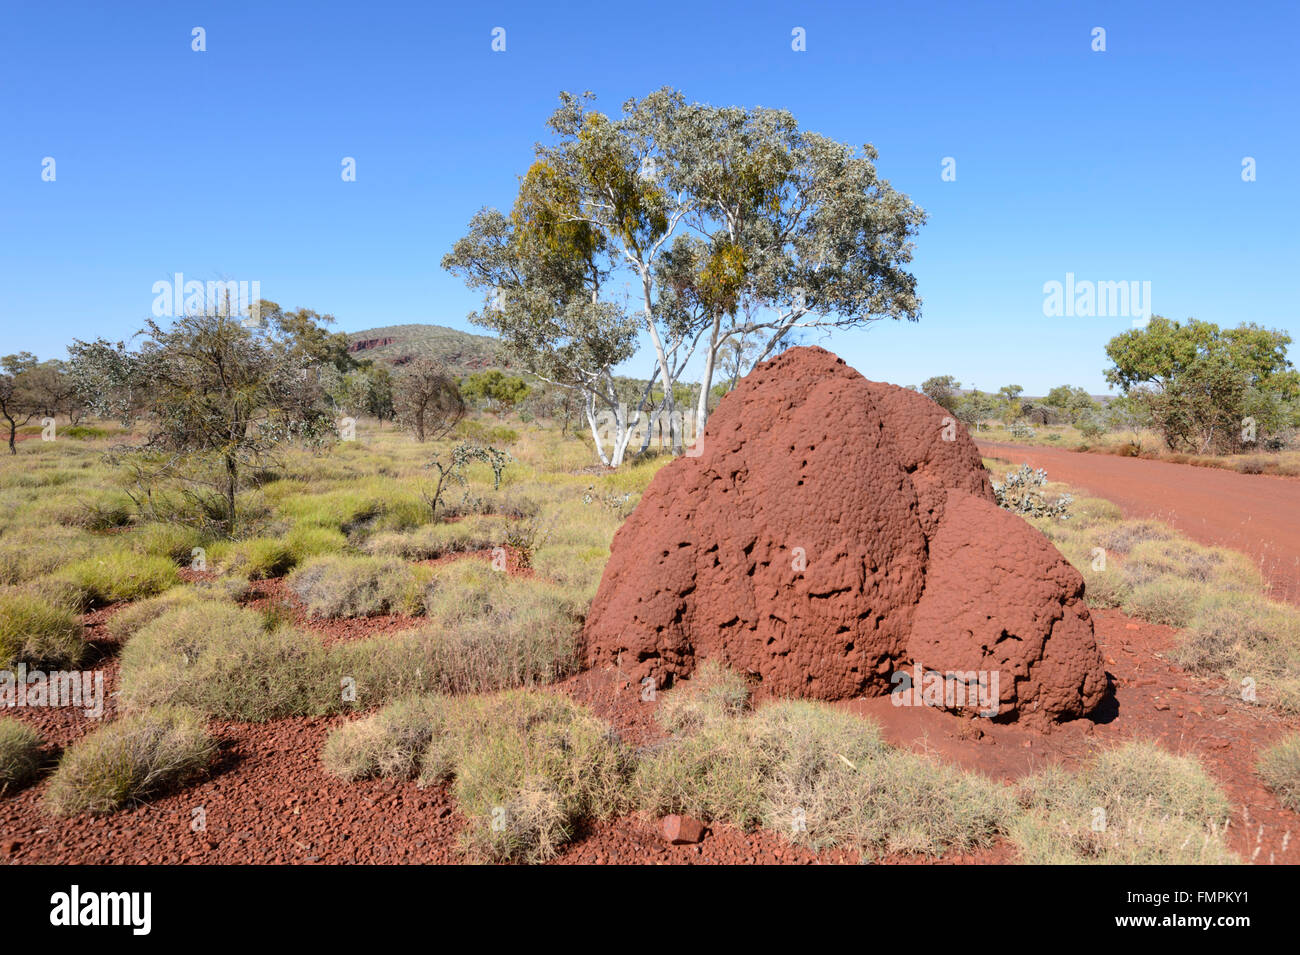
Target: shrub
(220, 660)
(1166, 600)
(172, 541)
(477, 656)
(818, 772)
(346, 586)
(1134, 804)
(132, 617)
(20, 758)
(525, 767)
(713, 695)
(1214, 566)
(259, 558)
(1019, 492)
(119, 574)
(438, 540)
(306, 541)
(1238, 636)
(31, 552)
(128, 761)
(36, 632)
(1129, 534)
(1279, 767)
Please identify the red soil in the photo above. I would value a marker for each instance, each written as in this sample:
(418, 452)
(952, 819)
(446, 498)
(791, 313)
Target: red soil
(269, 801)
(1256, 514)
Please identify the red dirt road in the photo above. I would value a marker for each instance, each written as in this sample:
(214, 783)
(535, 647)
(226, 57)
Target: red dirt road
(1256, 514)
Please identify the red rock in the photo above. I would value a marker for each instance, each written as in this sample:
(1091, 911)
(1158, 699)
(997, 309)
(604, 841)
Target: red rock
(831, 531)
(682, 830)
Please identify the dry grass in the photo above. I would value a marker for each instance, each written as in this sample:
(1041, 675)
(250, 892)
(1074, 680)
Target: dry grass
(339, 585)
(1132, 805)
(823, 776)
(221, 660)
(35, 631)
(19, 754)
(128, 761)
(1279, 767)
(525, 767)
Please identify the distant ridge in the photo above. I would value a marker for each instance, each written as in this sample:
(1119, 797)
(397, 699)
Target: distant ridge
(398, 344)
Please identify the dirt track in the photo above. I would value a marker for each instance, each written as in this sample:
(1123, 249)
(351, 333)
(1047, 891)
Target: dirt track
(1255, 514)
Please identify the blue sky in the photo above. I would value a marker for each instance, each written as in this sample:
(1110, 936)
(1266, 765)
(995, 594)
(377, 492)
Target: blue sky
(1116, 166)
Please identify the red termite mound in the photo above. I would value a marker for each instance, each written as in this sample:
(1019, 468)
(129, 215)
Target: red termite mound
(831, 531)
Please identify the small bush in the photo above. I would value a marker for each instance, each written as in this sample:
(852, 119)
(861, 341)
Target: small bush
(438, 540)
(346, 586)
(39, 633)
(1238, 637)
(130, 619)
(713, 695)
(1129, 534)
(824, 775)
(128, 761)
(307, 541)
(259, 558)
(1135, 804)
(1279, 767)
(219, 659)
(1213, 566)
(1166, 600)
(525, 767)
(19, 754)
(120, 575)
(172, 541)
(31, 552)
(475, 657)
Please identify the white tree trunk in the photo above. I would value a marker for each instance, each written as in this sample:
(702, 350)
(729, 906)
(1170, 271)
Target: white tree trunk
(706, 381)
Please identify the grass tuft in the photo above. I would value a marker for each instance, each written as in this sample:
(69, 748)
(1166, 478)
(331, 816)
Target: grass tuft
(135, 758)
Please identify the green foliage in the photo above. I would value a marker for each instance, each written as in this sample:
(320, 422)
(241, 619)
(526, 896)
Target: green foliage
(219, 400)
(118, 574)
(943, 390)
(499, 391)
(36, 631)
(1200, 384)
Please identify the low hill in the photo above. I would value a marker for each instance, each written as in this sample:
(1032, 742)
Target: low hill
(398, 344)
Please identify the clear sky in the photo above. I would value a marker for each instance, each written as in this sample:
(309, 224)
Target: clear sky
(1123, 165)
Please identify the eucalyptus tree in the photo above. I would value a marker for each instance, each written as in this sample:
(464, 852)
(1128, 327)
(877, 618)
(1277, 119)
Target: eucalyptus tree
(543, 279)
(730, 222)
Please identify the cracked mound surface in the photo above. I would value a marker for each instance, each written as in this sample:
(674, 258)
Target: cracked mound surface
(834, 530)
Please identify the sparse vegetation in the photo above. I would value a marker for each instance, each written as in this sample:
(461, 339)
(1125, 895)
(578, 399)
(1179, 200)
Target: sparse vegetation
(19, 754)
(524, 766)
(818, 773)
(1279, 767)
(37, 632)
(1132, 805)
(130, 760)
